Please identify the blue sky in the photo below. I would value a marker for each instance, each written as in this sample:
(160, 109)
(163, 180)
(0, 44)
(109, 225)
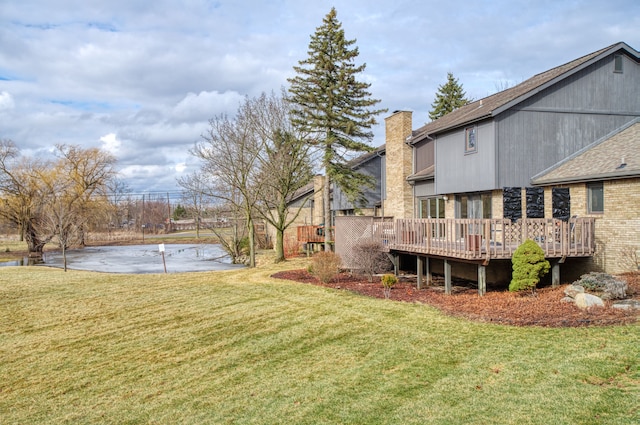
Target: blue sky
(142, 79)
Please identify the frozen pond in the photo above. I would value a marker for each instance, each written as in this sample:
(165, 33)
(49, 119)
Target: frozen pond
(144, 258)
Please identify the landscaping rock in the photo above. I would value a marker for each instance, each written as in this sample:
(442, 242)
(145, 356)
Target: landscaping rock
(627, 305)
(573, 290)
(585, 301)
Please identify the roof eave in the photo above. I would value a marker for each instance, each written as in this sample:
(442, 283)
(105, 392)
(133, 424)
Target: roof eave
(415, 139)
(587, 178)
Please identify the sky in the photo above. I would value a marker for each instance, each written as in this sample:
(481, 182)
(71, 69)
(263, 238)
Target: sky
(141, 79)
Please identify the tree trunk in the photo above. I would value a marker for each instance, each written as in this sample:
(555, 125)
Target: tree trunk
(279, 246)
(252, 247)
(64, 256)
(280, 229)
(81, 236)
(34, 244)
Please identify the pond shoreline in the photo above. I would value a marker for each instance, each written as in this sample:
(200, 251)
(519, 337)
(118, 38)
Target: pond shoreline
(18, 255)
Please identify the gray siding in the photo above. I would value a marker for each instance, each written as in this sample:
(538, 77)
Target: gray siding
(423, 155)
(425, 188)
(565, 118)
(458, 172)
(373, 168)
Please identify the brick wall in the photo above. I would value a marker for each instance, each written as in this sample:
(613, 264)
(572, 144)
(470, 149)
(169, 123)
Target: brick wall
(618, 228)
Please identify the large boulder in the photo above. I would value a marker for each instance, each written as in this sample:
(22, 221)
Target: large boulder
(627, 305)
(585, 301)
(573, 290)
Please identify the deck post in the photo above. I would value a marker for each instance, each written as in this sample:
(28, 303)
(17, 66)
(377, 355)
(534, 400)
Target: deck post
(419, 270)
(394, 260)
(447, 277)
(427, 264)
(482, 280)
(555, 274)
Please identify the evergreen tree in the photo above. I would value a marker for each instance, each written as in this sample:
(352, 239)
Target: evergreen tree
(334, 109)
(179, 212)
(450, 96)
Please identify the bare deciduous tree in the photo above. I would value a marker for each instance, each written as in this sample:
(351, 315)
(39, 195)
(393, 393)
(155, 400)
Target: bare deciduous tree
(229, 154)
(195, 197)
(285, 163)
(257, 162)
(48, 199)
(21, 195)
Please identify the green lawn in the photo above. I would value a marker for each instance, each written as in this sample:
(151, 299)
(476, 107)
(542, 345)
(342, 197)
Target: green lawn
(242, 348)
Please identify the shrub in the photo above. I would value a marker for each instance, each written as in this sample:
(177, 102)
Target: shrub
(610, 287)
(388, 280)
(291, 246)
(325, 265)
(630, 258)
(370, 259)
(529, 265)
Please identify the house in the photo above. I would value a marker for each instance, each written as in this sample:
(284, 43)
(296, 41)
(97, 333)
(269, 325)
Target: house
(308, 227)
(305, 213)
(554, 158)
(371, 164)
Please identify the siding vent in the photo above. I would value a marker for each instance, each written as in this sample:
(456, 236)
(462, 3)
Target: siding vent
(617, 64)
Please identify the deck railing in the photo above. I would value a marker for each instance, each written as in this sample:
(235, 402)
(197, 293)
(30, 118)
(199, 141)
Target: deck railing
(314, 234)
(466, 239)
(476, 239)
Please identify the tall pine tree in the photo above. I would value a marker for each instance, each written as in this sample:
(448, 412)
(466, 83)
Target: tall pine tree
(450, 96)
(334, 108)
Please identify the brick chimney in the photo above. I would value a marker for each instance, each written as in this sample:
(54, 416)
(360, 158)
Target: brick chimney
(399, 201)
(318, 205)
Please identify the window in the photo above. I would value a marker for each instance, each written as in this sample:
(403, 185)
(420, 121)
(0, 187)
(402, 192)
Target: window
(432, 208)
(473, 206)
(617, 64)
(471, 139)
(595, 198)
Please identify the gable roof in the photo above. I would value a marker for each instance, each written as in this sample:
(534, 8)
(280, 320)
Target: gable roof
(614, 156)
(491, 106)
(359, 160)
(302, 192)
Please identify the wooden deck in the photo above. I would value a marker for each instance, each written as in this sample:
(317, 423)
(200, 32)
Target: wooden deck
(467, 240)
(487, 239)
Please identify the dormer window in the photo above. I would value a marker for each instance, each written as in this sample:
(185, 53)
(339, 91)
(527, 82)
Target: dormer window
(617, 64)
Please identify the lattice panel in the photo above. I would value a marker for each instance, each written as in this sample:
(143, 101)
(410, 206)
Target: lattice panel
(536, 230)
(350, 231)
(513, 232)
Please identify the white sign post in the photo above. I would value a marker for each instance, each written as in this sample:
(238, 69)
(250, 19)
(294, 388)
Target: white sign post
(161, 248)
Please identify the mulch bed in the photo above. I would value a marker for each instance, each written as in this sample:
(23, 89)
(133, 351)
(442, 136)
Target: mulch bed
(545, 308)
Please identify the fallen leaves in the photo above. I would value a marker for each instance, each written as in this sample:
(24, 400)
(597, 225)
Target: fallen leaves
(545, 308)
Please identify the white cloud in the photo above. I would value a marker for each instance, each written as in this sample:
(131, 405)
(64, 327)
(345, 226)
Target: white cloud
(205, 105)
(6, 101)
(110, 143)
